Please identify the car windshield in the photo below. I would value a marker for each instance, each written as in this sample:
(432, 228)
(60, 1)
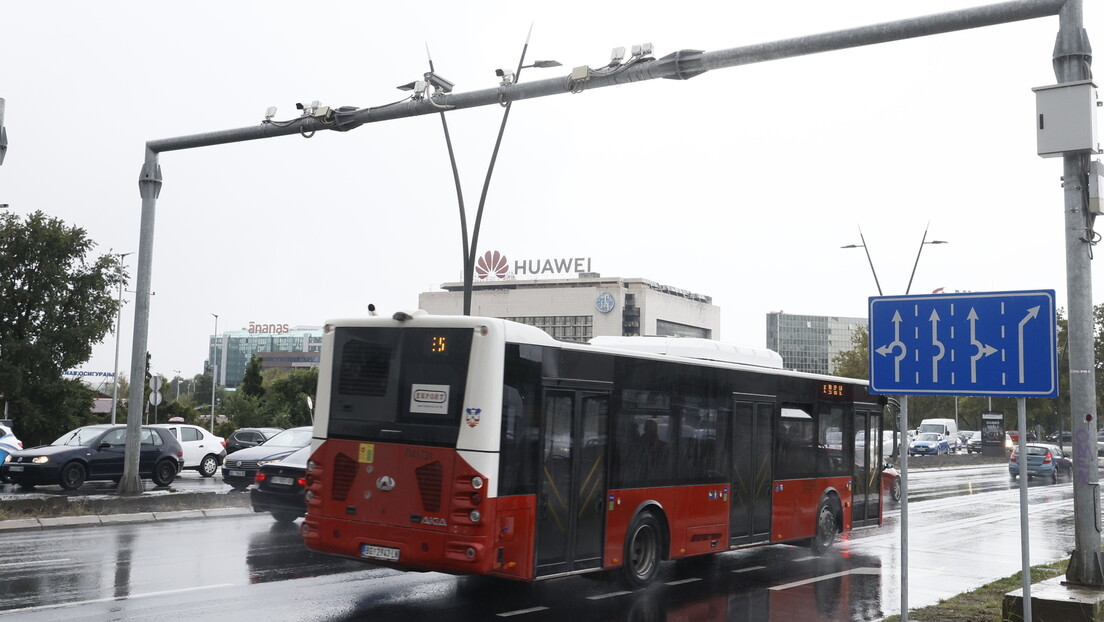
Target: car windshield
(81, 436)
(928, 436)
(290, 438)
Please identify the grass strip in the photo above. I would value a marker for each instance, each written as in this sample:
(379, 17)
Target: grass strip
(984, 603)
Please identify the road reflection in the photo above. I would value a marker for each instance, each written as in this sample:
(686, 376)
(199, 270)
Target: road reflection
(278, 553)
(776, 584)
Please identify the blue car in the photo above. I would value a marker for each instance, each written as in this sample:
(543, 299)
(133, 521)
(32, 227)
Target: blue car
(929, 444)
(1043, 460)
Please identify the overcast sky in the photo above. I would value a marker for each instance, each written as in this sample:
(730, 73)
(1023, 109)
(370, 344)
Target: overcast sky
(741, 184)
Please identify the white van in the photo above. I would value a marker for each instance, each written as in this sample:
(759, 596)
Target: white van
(947, 427)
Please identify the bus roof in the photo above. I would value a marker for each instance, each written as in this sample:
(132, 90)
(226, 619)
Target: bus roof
(695, 348)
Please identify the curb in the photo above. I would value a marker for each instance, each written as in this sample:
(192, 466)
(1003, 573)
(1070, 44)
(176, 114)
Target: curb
(32, 524)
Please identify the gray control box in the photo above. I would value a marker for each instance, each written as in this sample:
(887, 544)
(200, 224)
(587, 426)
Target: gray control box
(1065, 118)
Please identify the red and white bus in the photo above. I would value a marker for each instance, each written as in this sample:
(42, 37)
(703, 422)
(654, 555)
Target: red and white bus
(475, 445)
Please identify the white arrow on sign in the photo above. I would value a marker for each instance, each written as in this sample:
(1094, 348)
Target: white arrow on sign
(886, 349)
(1032, 313)
(983, 349)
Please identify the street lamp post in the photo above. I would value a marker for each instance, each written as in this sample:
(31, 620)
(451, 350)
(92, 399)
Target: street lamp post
(118, 327)
(923, 241)
(214, 377)
(868, 259)
(177, 379)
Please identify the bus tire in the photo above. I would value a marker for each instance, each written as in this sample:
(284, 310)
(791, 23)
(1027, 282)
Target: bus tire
(827, 528)
(642, 551)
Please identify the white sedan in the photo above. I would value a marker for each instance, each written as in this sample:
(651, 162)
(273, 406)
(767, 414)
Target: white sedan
(203, 451)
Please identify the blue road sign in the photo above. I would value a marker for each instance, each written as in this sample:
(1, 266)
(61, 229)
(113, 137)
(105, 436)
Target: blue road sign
(995, 343)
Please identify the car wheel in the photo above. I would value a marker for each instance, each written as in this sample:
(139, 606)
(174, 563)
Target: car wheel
(164, 473)
(72, 476)
(827, 528)
(208, 466)
(896, 490)
(642, 543)
(1054, 476)
(284, 516)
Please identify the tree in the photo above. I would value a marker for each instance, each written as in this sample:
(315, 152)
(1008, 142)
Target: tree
(854, 363)
(252, 382)
(55, 302)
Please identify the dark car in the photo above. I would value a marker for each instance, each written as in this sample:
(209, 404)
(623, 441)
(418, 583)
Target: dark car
(95, 452)
(279, 487)
(249, 437)
(240, 467)
(973, 445)
(1043, 460)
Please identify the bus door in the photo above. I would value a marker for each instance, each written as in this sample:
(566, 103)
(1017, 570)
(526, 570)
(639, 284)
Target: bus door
(866, 485)
(570, 508)
(752, 442)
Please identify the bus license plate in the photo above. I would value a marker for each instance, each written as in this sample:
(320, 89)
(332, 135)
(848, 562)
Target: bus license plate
(384, 553)
(237, 473)
(282, 481)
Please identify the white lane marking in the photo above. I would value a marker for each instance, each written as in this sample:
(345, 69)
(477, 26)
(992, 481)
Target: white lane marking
(681, 581)
(521, 611)
(610, 595)
(828, 576)
(749, 569)
(79, 603)
(43, 561)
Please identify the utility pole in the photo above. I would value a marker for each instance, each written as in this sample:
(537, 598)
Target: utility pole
(1072, 61)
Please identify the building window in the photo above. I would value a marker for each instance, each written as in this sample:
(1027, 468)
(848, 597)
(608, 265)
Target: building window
(563, 327)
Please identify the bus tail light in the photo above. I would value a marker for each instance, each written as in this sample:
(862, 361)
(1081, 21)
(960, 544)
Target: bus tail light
(475, 515)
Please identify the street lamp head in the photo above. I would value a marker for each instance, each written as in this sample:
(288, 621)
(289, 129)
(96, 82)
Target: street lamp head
(854, 246)
(543, 64)
(937, 242)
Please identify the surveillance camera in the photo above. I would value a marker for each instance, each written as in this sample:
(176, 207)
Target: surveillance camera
(298, 106)
(438, 82)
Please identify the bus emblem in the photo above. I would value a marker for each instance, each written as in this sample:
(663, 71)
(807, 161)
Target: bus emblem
(433, 520)
(385, 483)
(471, 416)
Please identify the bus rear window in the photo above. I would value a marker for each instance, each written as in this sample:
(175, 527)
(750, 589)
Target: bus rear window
(399, 384)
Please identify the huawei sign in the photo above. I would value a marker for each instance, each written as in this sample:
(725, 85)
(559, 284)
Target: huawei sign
(492, 264)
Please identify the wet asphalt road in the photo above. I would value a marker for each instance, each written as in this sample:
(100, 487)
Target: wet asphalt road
(964, 532)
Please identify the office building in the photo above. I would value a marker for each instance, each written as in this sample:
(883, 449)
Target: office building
(570, 303)
(810, 342)
(278, 346)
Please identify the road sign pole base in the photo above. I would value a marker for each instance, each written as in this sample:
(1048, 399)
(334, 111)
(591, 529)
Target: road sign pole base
(1086, 570)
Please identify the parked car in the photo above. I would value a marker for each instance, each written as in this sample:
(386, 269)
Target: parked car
(973, 445)
(891, 482)
(249, 437)
(1042, 461)
(278, 487)
(240, 468)
(203, 451)
(929, 443)
(8, 443)
(95, 452)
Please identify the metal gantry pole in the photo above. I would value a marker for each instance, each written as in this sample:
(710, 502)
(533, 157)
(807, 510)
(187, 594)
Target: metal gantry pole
(1072, 63)
(679, 65)
(149, 186)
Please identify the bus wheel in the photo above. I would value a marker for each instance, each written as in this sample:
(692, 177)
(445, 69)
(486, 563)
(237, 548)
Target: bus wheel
(642, 544)
(827, 528)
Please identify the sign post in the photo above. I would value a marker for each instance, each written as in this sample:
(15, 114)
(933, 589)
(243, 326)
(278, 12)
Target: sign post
(996, 343)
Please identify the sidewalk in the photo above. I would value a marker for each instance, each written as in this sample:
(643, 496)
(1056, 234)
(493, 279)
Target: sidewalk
(20, 512)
